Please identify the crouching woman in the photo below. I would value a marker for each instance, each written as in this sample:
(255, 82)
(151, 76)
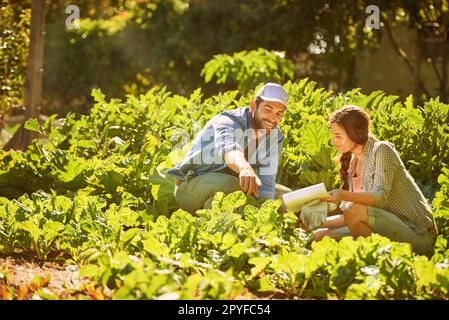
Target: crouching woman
(378, 194)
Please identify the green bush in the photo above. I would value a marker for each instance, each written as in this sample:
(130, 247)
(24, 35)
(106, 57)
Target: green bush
(93, 191)
(14, 42)
(249, 68)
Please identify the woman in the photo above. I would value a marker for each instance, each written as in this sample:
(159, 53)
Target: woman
(378, 194)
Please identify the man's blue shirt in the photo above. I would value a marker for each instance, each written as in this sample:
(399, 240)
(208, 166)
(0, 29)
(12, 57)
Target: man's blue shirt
(232, 130)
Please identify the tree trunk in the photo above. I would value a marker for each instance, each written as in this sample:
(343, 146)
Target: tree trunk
(33, 88)
(417, 70)
(414, 68)
(351, 80)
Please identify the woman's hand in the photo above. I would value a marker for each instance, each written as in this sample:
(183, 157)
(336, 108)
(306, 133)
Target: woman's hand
(302, 225)
(335, 196)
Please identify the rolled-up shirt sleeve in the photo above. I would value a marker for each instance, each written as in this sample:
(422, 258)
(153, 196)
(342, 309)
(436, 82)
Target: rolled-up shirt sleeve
(226, 136)
(386, 166)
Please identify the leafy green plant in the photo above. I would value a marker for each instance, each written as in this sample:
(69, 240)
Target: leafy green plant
(441, 208)
(249, 68)
(14, 41)
(43, 237)
(94, 191)
(9, 232)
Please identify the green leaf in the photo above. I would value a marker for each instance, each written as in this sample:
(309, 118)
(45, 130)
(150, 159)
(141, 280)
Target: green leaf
(89, 144)
(233, 201)
(238, 249)
(98, 95)
(265, 285)
(32, 228)
(128, 236)
(52, 229)
(90, 271)
(315, 135)
(73, 169)
(155, 248)
(32, 125)
(229, 240)
(260, 263)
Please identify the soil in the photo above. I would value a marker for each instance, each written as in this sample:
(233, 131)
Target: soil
(65, 282)
(21, 268)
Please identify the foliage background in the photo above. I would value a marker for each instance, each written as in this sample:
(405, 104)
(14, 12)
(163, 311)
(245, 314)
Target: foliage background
(130, 46)
(92, 190)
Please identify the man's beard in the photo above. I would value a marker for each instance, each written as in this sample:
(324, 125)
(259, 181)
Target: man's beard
(258, 122)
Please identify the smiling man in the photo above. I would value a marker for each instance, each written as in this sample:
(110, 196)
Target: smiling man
(238, 149)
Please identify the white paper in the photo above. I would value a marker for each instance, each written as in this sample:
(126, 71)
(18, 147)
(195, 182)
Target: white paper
(295, 200)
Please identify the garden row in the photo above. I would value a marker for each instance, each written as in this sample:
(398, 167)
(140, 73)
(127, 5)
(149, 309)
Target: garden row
(93, 192)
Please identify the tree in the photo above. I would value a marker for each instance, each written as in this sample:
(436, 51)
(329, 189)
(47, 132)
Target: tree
(168, 42)
(21, 64)
(430, 21)
(322, 37)
(33, 88)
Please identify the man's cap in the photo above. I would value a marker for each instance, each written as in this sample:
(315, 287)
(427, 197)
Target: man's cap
(273, 92)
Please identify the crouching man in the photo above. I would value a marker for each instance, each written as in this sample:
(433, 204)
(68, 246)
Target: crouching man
(238, 149)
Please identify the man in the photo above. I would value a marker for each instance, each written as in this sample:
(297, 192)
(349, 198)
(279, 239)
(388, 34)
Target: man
(237, 150)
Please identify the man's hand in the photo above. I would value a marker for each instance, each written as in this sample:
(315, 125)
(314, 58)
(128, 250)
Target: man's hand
(335, 196)
(249, 181)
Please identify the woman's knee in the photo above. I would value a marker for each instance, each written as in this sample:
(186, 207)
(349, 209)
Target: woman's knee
(319, 234)
(355, 213)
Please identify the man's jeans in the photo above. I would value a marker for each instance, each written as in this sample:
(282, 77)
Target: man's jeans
(198, 192)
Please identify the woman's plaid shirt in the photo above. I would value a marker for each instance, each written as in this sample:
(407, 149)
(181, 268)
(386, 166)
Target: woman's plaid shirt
(394, 189)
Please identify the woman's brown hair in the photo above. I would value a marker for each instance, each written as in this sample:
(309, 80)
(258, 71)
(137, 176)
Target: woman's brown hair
(356, 122)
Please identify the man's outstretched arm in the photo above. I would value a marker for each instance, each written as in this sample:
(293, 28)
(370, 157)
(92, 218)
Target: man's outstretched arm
(249, 181)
